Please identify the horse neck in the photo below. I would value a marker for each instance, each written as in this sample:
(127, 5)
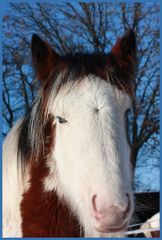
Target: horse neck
(43, 213)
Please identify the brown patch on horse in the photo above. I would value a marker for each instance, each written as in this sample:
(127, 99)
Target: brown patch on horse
(43, 213)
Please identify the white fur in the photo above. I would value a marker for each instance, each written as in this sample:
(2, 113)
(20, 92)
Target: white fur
(13, 186)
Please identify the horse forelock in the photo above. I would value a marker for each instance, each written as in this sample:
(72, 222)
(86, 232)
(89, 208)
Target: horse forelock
(120, 72)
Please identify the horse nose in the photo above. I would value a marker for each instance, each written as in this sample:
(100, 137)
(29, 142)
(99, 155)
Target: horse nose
(101, 208)
(110, 215)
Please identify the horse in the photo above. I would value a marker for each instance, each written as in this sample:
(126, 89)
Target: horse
(67, 169)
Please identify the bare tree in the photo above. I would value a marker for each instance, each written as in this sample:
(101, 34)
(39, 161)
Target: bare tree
(73, 27)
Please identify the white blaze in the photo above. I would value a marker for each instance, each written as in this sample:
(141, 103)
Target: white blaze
(91, 151)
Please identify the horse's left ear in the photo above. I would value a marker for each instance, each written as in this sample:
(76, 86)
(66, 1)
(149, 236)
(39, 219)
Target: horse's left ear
(44, 57)
(125, 61)
(125, 47)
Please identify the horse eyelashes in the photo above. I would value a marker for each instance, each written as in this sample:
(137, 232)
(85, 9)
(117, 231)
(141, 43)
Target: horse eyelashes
(61, 120)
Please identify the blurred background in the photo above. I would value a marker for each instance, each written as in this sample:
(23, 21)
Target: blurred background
(89, 27)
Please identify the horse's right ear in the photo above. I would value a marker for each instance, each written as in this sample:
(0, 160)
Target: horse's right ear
(126, 46)
(43, 56)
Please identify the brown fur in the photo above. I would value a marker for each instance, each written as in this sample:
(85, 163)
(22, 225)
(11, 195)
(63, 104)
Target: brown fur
(43, 213)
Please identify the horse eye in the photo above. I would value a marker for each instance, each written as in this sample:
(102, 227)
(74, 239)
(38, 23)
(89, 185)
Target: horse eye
(128, 120)
(128, 116)
(61, 120)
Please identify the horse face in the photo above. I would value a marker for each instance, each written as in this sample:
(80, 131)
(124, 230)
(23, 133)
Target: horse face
(92, 153)
(91, 157)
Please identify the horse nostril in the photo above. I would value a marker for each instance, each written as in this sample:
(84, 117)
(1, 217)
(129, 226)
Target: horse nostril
(124, 209)
(95, 210)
